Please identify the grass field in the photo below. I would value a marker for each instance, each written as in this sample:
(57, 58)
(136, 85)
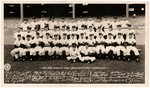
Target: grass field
(57, 71)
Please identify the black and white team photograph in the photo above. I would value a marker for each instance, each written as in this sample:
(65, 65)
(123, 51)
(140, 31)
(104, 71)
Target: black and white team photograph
(98, 43)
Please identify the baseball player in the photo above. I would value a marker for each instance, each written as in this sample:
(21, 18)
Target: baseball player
(34, 24)
(120, 48)
(132, 51)
(43, 23)
(73, 40)
(100, 48)
(124, 23)
(74, 54)
(16, 53)
(25, 53)
(17, 33)
(25, 25)
(64, 48)
(130, 40)
(18, 41)
(56, 47)
(110, 50)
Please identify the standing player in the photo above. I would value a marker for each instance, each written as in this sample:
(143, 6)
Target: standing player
(43, 23)
(124, 23)
(25, 25)
(34, 24)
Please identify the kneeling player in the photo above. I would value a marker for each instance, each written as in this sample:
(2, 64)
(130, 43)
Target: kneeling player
(132, 53)
(16, 53)
(74, 54)
(84, 51)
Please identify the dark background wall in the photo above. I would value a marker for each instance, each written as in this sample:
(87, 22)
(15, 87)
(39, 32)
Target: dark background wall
(64, 10)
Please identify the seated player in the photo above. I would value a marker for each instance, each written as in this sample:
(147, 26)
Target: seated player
(110, 49)
(25, 53)
(38, 46)
(64, 48)
(18, 41)
(132, 51)
(130, 40)
(74, 54)
(17, 33)
(100, 48)
(56, 47)
(92, 43)
(73, 40)
(28, 32)
(120, 48)
(82, 40)
(44, 53)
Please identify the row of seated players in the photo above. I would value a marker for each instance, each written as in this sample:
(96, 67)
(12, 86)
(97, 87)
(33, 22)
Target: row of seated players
(86, 45)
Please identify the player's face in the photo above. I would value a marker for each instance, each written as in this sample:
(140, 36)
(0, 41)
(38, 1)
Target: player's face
(130, 36)
(28, 38)
(25, 21)
(124, 19)
(100, 36)
(115, 20)
(74, 48)
(110, 36)
(34, 20)
(86, 46)
(64, 36)
(63, 29)
(90, 29)
(19, 38)
(72, 37)
(82, 36)
(91, 37)
(37, 36)
(119, 36)
(73, 29)
(28, 30)
(55, 37)
(99, 29)
(42, 18)
(47, 36)
(46, 29)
